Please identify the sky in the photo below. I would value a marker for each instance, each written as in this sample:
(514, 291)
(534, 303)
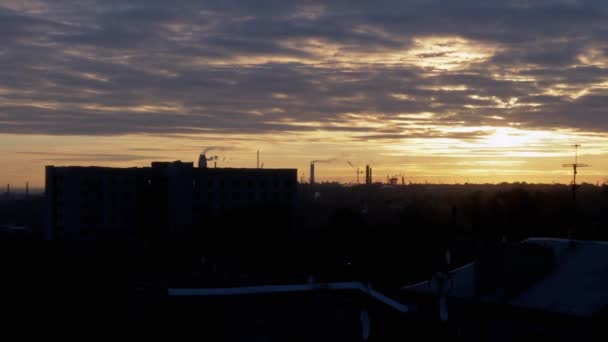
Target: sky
(439, 91)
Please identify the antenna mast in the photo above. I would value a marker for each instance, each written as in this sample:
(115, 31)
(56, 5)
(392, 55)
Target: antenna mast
(574, 167)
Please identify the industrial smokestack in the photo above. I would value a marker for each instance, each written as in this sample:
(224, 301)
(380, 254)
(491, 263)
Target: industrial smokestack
(202, 161)
(367, 174)
(312, 174)
(27, 189)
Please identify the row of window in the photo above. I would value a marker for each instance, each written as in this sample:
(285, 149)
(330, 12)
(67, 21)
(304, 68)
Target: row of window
(88, 219)
(114, 180)
(114, 196)
(236, 183)
(250, 196)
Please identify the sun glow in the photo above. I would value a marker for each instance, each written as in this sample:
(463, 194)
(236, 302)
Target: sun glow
(503, 138)
(448, 53)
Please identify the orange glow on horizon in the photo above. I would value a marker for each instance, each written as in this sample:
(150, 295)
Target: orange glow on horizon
(501, 154)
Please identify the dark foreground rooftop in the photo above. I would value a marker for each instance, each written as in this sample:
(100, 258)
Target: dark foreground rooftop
(577, 285)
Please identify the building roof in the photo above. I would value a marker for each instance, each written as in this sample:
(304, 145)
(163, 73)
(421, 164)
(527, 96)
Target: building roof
(236, 169)
(461, 283)
(294, 288)
(177, 164)
(576, 287)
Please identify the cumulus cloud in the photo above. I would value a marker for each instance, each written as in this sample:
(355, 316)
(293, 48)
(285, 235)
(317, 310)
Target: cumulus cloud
(365, 69)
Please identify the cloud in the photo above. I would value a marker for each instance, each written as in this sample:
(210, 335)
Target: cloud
(363, 70)
(89, 157)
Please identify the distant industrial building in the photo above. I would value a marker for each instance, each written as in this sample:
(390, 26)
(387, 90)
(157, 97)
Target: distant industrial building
(368, 175)
(86, 202)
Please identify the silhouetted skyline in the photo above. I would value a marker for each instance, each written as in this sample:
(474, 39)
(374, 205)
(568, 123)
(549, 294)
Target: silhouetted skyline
(444, 91)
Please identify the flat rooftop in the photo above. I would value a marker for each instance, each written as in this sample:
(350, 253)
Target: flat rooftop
(178, 164)
(578, 286)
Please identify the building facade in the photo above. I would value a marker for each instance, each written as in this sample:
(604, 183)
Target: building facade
(89, 202)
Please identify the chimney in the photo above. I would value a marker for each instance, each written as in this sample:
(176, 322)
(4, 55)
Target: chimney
(27, 189)
(312, 174)
(202, 161)
(367, 182)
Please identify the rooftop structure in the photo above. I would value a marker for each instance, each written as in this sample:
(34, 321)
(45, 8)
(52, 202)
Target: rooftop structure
(561, 302)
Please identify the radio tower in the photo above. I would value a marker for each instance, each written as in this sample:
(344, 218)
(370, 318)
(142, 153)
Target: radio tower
(574, 167)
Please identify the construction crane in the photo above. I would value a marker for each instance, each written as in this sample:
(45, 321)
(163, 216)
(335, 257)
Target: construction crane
(356, 169)
(259, 165)
(575, 167)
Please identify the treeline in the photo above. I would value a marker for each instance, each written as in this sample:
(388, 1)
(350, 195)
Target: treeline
(477, 212)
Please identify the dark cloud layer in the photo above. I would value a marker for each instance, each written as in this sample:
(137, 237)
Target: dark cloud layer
(117, 67)
(88, 157)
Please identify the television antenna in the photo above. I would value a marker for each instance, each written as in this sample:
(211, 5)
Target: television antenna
(575, 166)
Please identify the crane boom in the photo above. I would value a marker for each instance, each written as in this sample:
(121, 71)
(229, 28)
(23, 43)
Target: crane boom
(356, 169)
